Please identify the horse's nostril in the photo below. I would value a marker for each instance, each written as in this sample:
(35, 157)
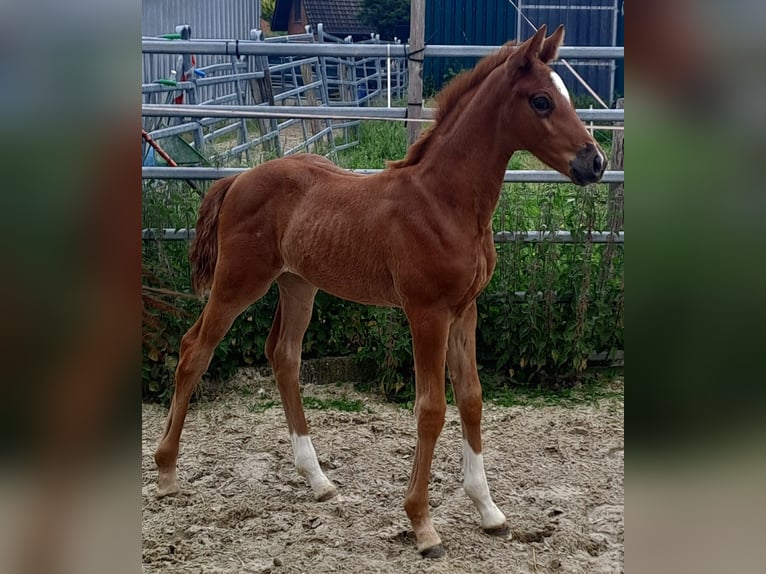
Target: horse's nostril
(598, 163)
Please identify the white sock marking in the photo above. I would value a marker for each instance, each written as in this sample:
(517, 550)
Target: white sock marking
(560, 86)
(475, 486)
(308, 466)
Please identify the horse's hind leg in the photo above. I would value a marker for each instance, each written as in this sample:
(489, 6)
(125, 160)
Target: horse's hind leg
(461, 360)
(283, 349)
(197, 348)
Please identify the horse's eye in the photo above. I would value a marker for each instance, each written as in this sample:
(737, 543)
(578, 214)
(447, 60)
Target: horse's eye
(541, 103)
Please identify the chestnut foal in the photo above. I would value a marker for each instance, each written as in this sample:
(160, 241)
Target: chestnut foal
(416, 236)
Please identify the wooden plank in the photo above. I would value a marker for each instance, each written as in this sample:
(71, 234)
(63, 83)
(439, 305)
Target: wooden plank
(262, 91)
(616, 199)
(311, 97)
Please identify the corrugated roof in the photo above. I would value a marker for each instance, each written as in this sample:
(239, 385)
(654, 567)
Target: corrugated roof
(340, 17)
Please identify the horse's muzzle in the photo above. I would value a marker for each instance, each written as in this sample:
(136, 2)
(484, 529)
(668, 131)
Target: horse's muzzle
(588, 165)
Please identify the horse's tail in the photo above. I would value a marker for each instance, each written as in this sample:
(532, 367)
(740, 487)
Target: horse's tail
(204, 247)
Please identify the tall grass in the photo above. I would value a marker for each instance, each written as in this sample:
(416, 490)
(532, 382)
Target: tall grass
(378, 142)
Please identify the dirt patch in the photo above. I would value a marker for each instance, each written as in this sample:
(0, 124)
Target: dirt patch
(557, 473)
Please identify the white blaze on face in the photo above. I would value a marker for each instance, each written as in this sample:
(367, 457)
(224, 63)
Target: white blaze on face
(308, 466)
(560, 86)
(475, 486)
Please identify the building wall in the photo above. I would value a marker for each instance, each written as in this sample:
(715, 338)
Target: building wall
(296, 26)
(588, 23)
(619, 79)
(467, 22)
(493, 22)
(227, 19)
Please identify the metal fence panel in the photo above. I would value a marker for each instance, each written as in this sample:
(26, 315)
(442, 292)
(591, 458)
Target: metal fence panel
(293, 82)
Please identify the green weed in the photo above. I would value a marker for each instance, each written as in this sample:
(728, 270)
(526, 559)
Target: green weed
(340, 404)
(594, 387)
(264, 406)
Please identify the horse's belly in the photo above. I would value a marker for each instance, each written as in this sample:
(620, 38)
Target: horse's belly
(368, 297)
(366, 284)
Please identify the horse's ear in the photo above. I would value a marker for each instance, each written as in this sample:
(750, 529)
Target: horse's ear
(550, 49)
(530, 50)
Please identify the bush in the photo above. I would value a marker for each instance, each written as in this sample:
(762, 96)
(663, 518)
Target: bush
(385, 16)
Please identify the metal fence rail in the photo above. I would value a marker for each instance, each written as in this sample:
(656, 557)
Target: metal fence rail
(322, 71)
(530, 236)
(337, 98)
(511, 176)
(350, 112)
(253, 48)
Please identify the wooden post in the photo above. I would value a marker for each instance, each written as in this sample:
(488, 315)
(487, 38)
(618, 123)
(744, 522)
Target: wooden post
(616, 201)
(311, 97)
(346, 76)
(415, 65)
(615, 206)
(261, 90)
(325, 89)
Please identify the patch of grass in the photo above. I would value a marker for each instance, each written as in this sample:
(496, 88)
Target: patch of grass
(378, 142)
(260, 407)
(595, 386)
(340, 404)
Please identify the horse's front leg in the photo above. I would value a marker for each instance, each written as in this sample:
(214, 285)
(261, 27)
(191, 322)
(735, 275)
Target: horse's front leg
(429, 341)
(283, 349)
(461, 360)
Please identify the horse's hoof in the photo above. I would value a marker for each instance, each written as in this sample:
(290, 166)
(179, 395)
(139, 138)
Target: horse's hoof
(171, 490)
(167, 485)
(433, 552)
(501, 531)
(329, 495)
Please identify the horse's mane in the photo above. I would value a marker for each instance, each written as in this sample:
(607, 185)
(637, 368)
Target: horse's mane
(447, 100)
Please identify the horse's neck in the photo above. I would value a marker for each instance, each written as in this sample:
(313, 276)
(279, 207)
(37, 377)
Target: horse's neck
(469, 157)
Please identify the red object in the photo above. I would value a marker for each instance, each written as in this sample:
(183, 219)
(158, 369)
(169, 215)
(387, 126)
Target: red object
(185, 76)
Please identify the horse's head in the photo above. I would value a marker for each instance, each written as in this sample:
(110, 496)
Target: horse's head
(542, 115)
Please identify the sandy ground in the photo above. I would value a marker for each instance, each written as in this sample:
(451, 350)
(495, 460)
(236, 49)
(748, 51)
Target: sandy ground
(556, 472)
